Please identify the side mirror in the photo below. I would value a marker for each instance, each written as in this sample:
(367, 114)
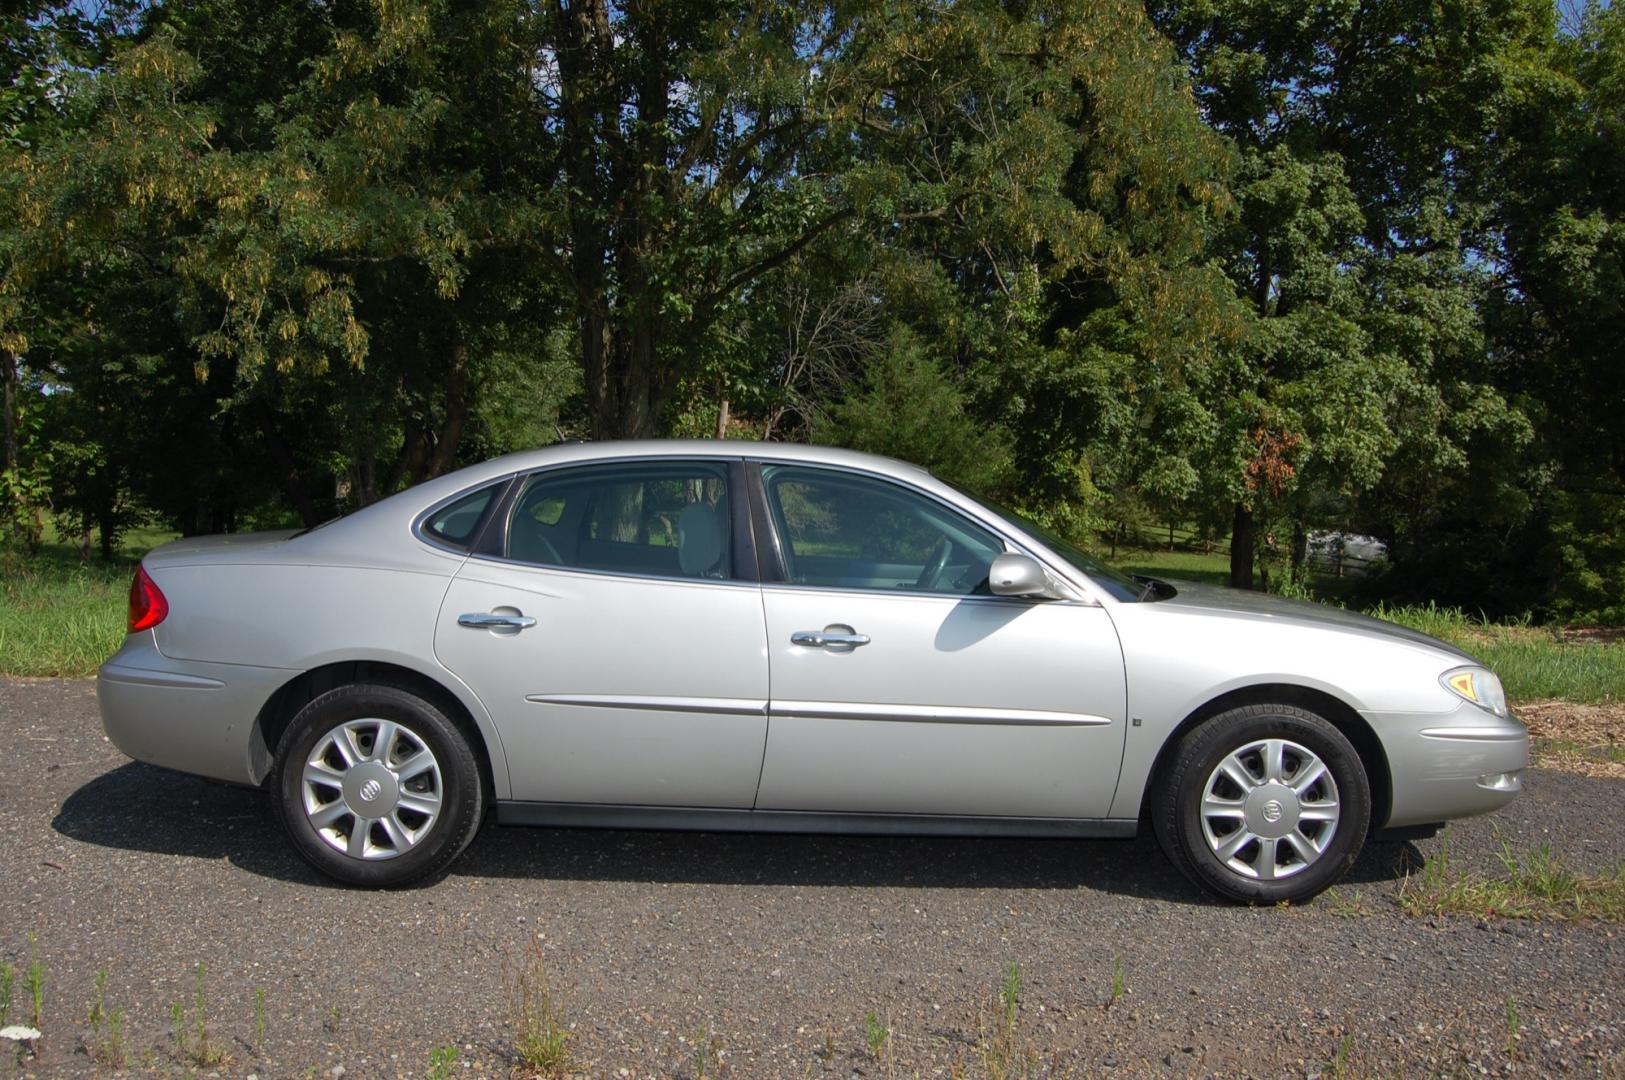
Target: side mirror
(1021, 575)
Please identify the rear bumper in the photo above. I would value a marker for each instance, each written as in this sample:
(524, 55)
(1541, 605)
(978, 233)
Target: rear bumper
(1450, 765)
(194, 717)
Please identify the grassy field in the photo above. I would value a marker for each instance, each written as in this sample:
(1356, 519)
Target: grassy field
(59, 616)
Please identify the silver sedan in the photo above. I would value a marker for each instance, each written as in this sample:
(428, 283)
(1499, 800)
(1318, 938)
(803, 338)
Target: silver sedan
(738, 636)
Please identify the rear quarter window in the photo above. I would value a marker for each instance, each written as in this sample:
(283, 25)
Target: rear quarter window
(458, 522)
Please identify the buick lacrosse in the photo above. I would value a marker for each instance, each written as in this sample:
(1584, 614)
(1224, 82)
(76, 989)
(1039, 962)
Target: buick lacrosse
(744, 636)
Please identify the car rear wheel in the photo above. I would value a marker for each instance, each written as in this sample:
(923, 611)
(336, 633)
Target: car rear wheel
(376, 785)
(1263, 803)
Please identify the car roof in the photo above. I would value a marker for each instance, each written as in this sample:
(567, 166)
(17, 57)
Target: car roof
(406, 505)
(560, 453)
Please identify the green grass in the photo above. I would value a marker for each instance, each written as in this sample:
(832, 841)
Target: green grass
(1534, 663)
(59, 619)
(1533, 886)
(1213, 568)
(59, 616)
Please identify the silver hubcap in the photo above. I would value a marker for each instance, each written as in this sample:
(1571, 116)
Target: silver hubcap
(371, 789)
(1270, 809)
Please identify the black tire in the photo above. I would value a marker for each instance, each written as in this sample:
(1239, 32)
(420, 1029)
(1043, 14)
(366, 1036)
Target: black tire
(1176, 806)
(422, 725)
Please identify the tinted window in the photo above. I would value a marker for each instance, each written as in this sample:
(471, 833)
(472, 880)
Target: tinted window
(456, 522)
(656, 518)
(848, 531)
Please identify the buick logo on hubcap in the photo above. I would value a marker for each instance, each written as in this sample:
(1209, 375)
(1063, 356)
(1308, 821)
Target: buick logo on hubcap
(1272, 809)
(369, 791)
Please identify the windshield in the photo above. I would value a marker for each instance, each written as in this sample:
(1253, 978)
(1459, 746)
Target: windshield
(1109, 578)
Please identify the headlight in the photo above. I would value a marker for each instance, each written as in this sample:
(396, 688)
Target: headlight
(1477, 685)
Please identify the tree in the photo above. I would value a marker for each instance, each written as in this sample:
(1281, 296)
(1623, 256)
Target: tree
(1357, 125)
(1558, 316)
(316, 224)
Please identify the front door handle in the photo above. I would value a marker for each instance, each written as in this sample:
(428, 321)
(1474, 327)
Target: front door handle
(837, 636)
(490, 620)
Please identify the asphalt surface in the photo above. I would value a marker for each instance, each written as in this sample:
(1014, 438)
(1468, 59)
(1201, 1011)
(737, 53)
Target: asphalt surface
(768, 951)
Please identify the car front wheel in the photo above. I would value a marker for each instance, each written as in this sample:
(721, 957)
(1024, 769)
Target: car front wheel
(1263, 803)
(376, 785)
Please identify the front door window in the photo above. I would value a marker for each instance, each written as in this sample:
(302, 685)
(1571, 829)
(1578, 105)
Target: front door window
(844, 530)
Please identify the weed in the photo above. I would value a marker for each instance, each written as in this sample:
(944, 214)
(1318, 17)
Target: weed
(259, 1019)
(877, 1033)
(708, 1054)
(1574, 748)
(330, 1023)
(701, 1054)
(1347, 907)
(1512, 1029)
(35, 983)
(1010, 993)
(200, 1050)
(441, 1059)
(177, 1026)
(1119, 982)
(8, 976)
(540, 1038)
(98, 1002)
(106, 1028)
(1004, 1055)
(1338, 1067)
(113, 1052)
(1536, 886)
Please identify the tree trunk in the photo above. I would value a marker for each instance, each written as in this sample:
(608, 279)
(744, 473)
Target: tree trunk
(451, 432)
(8, 374)
(1300, 551)
(722, 419)
(1241, 548)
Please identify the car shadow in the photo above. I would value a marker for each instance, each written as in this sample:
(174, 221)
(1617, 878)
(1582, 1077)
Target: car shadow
(144, 808)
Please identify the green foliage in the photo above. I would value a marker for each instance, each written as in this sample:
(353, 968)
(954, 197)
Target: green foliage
(442, 1061)
(876, 1035)
(541, 1039)
(907, 407)
(1263, 266)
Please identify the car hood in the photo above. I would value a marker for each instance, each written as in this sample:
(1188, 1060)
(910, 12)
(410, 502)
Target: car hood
(1193, 594)
(230, 546)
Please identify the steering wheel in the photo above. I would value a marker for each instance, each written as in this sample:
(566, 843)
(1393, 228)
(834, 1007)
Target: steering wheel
(935, 563)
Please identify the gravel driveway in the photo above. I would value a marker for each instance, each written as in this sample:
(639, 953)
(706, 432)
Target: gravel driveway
(767, 951)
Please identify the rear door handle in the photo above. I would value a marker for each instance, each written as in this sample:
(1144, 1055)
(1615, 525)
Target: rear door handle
(836, 636)
(488, 620)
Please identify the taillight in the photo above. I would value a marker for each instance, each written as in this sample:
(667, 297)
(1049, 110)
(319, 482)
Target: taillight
(147, 604)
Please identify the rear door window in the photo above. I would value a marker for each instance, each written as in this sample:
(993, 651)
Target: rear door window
(664, 519)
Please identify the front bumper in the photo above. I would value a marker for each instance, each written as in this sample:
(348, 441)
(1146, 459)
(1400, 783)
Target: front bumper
(1452, 764)
(194, 717)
